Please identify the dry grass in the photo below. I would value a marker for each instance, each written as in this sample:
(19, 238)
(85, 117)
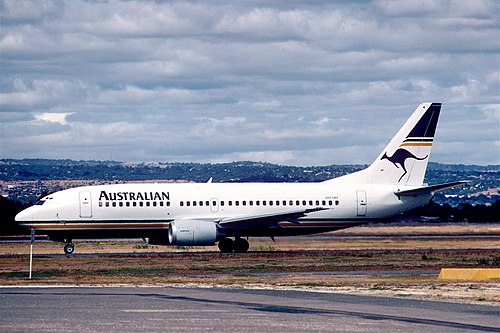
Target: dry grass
(288, 263)
(430, 228)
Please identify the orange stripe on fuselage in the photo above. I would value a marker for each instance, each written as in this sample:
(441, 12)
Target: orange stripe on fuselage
(68, 226)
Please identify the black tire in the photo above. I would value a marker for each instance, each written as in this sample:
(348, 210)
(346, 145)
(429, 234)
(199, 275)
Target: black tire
(226, 245)
(241, 245)
(69, 248)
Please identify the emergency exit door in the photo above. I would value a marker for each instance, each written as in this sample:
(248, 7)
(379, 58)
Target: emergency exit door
(214, 205)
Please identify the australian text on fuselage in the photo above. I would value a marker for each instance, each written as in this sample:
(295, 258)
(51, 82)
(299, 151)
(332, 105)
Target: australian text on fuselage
(134, 196)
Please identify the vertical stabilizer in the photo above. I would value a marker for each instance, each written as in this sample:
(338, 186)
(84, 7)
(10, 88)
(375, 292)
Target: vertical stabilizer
(404, 160)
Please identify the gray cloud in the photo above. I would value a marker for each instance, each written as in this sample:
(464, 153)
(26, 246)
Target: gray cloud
(295, 83)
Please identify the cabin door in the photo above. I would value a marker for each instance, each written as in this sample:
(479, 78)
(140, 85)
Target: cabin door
(361, 198)
(85, 204)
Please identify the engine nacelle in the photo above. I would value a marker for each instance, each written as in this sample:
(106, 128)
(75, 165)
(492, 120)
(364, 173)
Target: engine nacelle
(192, 232)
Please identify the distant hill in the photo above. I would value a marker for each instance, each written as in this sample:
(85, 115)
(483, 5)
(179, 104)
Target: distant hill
(483, 186)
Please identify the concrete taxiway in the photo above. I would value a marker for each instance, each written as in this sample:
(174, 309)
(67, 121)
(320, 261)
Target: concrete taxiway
(155, 309)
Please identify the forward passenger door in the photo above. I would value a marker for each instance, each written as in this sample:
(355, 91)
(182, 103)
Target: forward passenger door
(85, 204)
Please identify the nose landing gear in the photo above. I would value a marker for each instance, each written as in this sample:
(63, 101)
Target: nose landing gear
(69, 248)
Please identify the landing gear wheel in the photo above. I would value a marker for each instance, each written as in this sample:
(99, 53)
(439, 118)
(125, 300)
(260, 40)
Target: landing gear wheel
(226, 245)
(241, 245)
(69, 248)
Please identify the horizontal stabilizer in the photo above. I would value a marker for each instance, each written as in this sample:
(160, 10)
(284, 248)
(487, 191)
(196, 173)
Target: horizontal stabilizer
(429, 189)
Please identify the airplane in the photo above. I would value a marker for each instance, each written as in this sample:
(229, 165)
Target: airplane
(203, 214)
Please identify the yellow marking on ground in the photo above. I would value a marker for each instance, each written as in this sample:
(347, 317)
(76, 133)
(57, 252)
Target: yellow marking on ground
(475, 274)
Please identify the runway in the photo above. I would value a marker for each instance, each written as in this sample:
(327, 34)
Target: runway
(155, 309)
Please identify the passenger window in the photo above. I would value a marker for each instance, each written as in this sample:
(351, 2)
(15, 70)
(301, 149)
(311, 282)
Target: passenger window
(284, 202)
(270, 202)
(257, 203)
(237, 203)
(168, 203)
(291, 202)
(188, 203)
(330, 203)
(317, 202)
(100, 204)
(107, 204)
(114, 204)
(182, 203)
(324, 203)
(250, 202)
(154, 203)
(336, 202)
(134, 203)
(194, 203)
(297, 203)
(310, 202)
(264, 202)
(221, 203)
(244, 203)
(148, 203)
(127, 204)
(230, 203)
(201, 203)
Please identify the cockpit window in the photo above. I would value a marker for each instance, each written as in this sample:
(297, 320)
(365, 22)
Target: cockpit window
(43, 200)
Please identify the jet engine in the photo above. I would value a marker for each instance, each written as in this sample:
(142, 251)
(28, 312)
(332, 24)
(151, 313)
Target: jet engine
(192, 232)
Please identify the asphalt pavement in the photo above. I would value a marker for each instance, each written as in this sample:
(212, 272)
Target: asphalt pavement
(160, 309)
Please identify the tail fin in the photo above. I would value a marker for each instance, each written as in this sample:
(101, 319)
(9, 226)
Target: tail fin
(404, 160)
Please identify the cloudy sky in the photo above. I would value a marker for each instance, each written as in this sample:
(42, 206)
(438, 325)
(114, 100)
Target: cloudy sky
(290, 82)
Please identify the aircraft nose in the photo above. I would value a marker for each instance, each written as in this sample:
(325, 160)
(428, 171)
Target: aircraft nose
(24, 216)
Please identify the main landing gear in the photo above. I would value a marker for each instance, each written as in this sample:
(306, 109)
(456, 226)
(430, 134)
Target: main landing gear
(238, 245)
(69, 248)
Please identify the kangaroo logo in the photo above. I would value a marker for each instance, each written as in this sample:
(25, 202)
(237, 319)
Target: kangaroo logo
(399, 157)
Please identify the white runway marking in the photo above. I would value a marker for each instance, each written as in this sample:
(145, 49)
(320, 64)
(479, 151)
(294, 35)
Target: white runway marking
(171, 311)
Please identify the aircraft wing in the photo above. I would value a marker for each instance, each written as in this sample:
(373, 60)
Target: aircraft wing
(428, 189)
(265, 220)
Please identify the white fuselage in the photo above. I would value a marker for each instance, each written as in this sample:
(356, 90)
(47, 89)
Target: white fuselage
(153, 206)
